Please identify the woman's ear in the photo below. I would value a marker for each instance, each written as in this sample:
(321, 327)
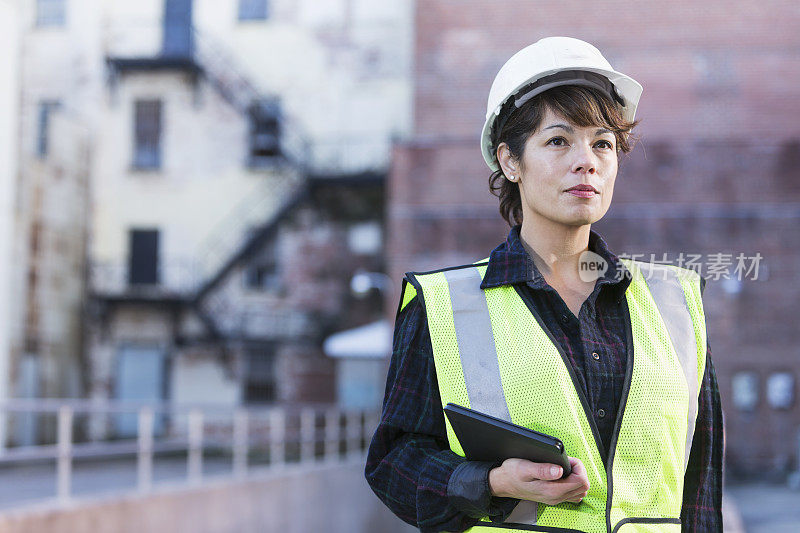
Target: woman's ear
(507, 163)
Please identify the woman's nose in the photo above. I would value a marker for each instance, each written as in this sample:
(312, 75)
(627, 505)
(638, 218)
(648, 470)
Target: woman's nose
(585, 160)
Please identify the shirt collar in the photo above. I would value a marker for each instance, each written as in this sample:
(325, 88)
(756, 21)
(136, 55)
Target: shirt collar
(510, 263)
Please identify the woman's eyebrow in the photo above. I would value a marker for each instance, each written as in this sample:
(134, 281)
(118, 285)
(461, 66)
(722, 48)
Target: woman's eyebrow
(562, 126)
(569, 129)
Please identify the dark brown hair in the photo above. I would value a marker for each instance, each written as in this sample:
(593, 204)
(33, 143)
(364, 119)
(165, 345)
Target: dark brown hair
(582, 106)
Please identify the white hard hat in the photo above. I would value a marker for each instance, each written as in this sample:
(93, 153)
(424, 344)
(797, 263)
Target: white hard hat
(548, 63)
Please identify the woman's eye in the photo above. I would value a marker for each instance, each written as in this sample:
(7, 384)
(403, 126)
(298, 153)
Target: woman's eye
(561, 141)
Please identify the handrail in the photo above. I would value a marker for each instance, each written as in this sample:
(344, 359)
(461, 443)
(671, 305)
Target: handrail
(302, 434)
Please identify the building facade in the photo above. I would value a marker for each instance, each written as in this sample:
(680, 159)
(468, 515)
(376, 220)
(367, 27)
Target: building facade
(193, 197)
(51, 206)
(714, 172)
(10, 26)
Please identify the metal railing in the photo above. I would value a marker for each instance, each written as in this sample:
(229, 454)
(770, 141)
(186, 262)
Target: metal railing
(250, 213)
(175, 277)
(183, 276)
(367, 151)
(257, 439)
(334, 153)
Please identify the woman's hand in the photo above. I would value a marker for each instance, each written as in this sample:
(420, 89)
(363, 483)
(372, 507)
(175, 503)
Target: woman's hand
(539, 482)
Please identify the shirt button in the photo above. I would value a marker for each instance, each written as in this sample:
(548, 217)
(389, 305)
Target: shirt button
(601, 413)
(596, 356)
(564, 319)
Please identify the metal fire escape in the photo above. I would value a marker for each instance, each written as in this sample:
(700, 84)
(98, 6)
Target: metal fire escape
(277, 148)
(276, 144)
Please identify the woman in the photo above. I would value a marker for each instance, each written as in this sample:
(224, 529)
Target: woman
(615, 365)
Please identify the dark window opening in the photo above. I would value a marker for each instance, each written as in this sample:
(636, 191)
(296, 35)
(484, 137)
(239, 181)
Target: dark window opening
(51, 13)
(253, 10)
(262, 272)
(143, 257)
(178, 34)
(46, 109)
(263, 276)
(147, 134)
(260, 382)
(265, 132)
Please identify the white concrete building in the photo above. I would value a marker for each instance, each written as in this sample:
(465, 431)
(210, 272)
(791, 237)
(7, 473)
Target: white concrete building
(195, 126)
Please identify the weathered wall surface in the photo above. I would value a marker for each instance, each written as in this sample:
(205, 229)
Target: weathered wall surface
(332, 498)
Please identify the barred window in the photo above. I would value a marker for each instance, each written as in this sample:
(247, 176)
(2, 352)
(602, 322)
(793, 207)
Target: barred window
(147, 134)
(51, 13)
(253, 9)
(262, 273)
(260, 380)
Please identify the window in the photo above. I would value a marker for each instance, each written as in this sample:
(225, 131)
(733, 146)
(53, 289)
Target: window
(780, 390)
(177, 29)
(147, 134)
(365, 238)
(262, 271)
(253, 9)
(143, 257)
(261, 276)
(745, 390)
(265, 131)
(46, 107)
(50, 13)
(260, 383)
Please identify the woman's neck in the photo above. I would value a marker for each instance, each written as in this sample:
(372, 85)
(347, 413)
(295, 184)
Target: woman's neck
(555, 248)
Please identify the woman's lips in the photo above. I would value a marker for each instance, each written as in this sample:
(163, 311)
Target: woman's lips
(582, 193)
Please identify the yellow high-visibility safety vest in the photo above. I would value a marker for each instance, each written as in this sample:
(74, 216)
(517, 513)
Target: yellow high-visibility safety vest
(493, 355)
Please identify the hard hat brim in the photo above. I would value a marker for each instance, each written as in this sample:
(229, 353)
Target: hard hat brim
(627, 88)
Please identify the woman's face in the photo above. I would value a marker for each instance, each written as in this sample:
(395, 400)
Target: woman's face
(558, 157)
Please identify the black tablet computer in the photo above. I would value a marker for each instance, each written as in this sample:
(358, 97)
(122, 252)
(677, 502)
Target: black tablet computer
(486, 438)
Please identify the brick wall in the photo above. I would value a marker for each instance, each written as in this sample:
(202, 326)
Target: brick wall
(717, 168)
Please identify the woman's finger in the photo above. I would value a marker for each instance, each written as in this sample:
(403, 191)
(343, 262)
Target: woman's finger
(576, 496)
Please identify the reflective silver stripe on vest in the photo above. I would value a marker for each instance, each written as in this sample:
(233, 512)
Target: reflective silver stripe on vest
(476, 343)
(473, 327)
(665, 287)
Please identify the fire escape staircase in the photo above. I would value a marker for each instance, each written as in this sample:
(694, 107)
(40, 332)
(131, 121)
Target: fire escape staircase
(255, 218)
(241, 234)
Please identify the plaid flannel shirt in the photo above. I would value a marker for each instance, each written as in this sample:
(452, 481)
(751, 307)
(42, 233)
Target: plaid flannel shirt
(409, 464)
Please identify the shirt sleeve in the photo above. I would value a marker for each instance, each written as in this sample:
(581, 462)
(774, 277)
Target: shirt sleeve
(410, 466)
(702, 489)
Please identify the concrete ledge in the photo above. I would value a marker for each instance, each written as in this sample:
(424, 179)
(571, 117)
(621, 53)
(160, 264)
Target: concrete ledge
(297, 499)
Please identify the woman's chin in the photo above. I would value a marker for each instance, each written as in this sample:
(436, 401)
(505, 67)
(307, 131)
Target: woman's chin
(570, 215)
(582, 217)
